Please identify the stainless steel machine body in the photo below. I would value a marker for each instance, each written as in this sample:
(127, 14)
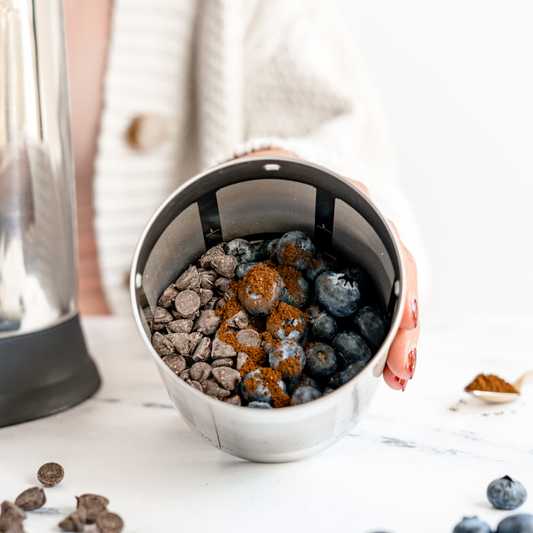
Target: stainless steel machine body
(44, 365)
(262, 198)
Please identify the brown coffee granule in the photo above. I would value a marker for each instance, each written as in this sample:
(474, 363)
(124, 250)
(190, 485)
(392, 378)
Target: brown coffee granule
(290, 367)
(232, 306)
(490, 382)
(283, 317)
(291, 253)
(261, 280)
(290, 277)
(270, 379)
(256, 356)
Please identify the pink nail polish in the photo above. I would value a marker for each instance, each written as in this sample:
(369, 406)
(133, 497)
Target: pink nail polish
(414, 309)
(411, 362)
(402, 382)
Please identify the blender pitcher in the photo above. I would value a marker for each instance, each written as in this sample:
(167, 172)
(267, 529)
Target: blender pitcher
(44, 363)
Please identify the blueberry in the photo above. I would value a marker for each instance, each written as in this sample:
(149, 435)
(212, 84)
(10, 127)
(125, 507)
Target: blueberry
(272, 249)
(471, 525)
(260, 405)
(287, 322)
(305, 394)
(295, 249)
(371, 326)
(321, 360)
(296, 294)
(338, 293)
(254, 389)
(241, 249)
(320, 264)
(363, 280)
(323, 325)
(288, 357)
(506, 493)
(243, 269)
(341, 378)
(302, 380)
(261, 290)
(261, 250)
(351, 347)
(518, 523)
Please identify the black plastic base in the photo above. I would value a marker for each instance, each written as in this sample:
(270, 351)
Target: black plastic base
(45, 372)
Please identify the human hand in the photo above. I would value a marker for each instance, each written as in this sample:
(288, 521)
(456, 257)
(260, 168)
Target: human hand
(401, 361)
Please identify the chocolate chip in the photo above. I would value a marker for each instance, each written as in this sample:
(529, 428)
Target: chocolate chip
(211, 303)
(161, 318)
(222, 285)
(94, 504)
(205, 260)
(180, 326)
(220, 303)
(249, 338)
(50, 474)
(241, 359)
(194, 385)
(162, 345)
(205, 295)
(176, 363)
(222, 350)
(10, 522)
(207, 279)
(211, 386)
(222, 362)
(227, 377)
(190, 279)
(224, 265)
(186, 374)
(234, 400)
(238, 320)
(268, 346)
(187, 304)
(31, 499)
(13, 508)
(107, 522)
(208, 322)
(74, 521)
(167, 298)
(180, 341)
(203, 350)
(200, 372)
(194, 338)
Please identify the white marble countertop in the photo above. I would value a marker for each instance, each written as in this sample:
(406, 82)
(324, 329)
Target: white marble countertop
(418, 462)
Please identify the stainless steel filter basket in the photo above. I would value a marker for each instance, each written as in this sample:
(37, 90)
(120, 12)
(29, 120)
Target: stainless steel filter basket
(261, 198)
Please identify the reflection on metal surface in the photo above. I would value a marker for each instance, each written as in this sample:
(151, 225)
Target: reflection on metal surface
(38, 283)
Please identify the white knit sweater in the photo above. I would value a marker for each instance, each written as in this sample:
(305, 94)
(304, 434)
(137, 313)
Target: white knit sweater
(229, 77)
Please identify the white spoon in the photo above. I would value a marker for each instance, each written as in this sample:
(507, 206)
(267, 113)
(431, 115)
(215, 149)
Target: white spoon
(501, 397)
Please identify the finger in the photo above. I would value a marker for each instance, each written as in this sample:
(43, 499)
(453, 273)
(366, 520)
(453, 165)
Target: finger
(411, 310)
(393, 381)
(403, 353)
(361, 186)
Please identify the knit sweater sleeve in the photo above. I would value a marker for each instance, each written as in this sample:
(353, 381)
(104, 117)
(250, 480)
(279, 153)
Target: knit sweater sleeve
(306, 91)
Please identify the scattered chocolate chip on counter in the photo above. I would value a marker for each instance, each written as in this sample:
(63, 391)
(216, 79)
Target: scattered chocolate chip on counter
(31, 499)
(50, 474)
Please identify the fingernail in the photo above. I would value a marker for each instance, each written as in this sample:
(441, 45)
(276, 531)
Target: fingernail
(414, 309)
(411, 362)
(402, 382)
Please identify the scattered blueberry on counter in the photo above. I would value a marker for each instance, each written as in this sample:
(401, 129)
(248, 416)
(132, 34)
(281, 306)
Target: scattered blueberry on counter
(471, 525)
(268, 323)
(506, 493)
(518, 523)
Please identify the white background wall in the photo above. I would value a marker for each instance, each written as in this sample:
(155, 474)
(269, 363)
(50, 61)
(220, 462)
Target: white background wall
(456, 80)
